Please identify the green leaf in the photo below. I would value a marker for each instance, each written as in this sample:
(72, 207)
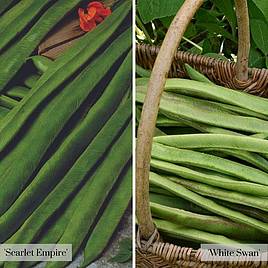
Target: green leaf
(122, 256)
(227, 8)
(263, 7)
(195, 50)
(166, 21)
(266, 61)
(206, 21)
(154, 9)
(216, 56)
(259, 32)
(216, 29)
(254, 11)
(190, 31)
(126, 243)
(207, 47)
(256, 58)
(125, 251)
(204, 15)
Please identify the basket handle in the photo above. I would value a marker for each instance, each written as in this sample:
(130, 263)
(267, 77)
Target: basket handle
(155, 88)
(241, 67)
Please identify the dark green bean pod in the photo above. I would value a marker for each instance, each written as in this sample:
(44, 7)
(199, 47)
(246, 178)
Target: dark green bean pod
(41, 63)
(8, 102)
(13, 13)
(26, 15)
(18, 92)
(97, 188)
(31, 80)
(63, 68)
(48, 124)
(65, 156)
(12, 59)
(3, 112)
(113, 213)
(76, 177)
(5, 4)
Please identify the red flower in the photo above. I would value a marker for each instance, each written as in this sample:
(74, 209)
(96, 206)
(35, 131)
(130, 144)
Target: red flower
(96, 12)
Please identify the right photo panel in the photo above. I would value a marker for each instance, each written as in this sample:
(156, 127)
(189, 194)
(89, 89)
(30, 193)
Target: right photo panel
(201, 133)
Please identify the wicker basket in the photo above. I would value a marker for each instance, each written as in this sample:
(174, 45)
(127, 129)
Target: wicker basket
(151, 251)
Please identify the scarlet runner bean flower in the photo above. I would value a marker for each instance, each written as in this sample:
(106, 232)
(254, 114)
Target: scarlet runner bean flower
(95, 13)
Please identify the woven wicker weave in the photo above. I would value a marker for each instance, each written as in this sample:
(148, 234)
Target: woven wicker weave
(219, 71)
(150, 250)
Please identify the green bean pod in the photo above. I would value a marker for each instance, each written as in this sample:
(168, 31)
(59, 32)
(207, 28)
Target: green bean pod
(13, 59)
(48, 124)
(195, 75)
(211, 162)
(164, 121)
(222, 141)
(227, 195)
(158, 190)
(206, 203)
(8, 102)
(142, 72)
(158, 132)
(41, 63)
(53, 231)
(180, 231)
(210, 224)
(31, 80)
(27, 233)
(177, 202)
(3, 112)
(5, 4)
(98, 188)
(76, 177)
(252, 212)
(8, 17)
(190, 108)
(22, 20)
(202, 127)
(254, 159)
(213, 178)
(63, 67)
(218, 93)
(113, 213)
(263, 136)
(240, 110)
(65, 156)
(18, 92)
(233, 145)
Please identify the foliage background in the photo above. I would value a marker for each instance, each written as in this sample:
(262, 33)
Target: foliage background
(212, 31)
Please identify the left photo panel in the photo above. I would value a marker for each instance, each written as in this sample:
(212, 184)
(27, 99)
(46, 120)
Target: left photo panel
(65, 133)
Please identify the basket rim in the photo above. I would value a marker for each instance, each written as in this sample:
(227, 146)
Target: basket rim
(158, 78)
